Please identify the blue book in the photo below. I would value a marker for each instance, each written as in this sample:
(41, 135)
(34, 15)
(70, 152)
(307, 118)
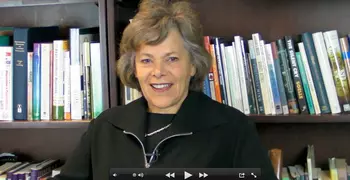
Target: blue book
(206, 87)
(23, 39)
(278, 73)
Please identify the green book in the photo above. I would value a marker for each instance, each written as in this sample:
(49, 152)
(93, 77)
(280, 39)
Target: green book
(4, 40)
(307, 91)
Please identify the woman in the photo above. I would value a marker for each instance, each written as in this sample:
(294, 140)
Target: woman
(174, 125)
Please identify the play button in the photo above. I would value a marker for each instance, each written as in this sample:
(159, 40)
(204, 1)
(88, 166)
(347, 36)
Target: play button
(187, 175)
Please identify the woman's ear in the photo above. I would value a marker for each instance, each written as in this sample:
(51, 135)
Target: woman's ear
(193, 70)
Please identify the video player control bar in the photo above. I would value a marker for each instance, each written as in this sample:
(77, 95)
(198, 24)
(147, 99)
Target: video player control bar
(185, 174)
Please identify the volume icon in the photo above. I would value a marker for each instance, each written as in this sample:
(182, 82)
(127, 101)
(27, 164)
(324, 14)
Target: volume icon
(170, 175)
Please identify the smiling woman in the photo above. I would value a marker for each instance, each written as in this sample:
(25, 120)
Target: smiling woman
(164, 72)
(173, 125)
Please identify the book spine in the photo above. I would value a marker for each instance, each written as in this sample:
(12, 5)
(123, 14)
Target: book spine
(66, 86)
(287, 78)
(338, 68)
(76, 100)
(344, 44)
(216, 75)
(20, 40)
(87, 78)
(206, 86)
(242, 74)
(229, 56)
(307, 92)
(30, 87)
(271, 102)
(249, 82)
(326, 72)
(308, 75)
(96, 83)
(225, 69)
(316, 72)
(255, 77)
(262, 73)
(273, 80)
(210, 74)
(6, 89)
(296, 76)
(58, 88)
(238, 101)
(220, 70)
(250, 86)
(45, 81)
(279, 78)
(36, 82)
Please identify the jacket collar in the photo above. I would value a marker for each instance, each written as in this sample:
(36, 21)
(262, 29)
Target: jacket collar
(191, 117)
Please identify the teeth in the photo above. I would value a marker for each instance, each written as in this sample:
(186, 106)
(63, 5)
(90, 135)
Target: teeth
(160, 86)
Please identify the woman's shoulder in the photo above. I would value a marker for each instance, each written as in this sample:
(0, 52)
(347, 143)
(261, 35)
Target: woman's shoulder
(211, 109)
(220, 109)
(118, 113)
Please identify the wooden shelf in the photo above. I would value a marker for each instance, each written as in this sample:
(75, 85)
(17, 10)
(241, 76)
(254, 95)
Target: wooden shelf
(341, 118)
(259, 119)
(44, 124)
(21, 3)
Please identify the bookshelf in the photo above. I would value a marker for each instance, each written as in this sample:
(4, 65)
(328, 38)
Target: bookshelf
(274, 19)
(39, 140)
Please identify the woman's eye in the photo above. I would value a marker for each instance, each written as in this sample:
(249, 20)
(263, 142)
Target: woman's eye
(172, 59)
(145, 61)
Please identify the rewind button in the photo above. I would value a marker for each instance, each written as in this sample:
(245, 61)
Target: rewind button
(170, 175)
(202, 175)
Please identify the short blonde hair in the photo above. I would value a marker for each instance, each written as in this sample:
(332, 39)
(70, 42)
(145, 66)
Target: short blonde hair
(151, 26)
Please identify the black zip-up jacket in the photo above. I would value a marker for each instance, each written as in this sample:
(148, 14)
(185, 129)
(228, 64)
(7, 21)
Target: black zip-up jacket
(203, 134)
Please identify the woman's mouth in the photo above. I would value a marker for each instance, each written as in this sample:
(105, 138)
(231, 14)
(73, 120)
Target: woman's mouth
(161, 87)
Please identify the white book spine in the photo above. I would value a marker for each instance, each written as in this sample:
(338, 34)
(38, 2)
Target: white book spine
(229, 64)
(67, 84)
(262, 69)
(30, 86)
(338, 68)
(238, 102)
(268, 79)
(275, 95)
(75, 69)
(46, 91)
(6, 81)
(242, 78)
(58, 70)
(309, 78)
(225, 68)
(326, 72)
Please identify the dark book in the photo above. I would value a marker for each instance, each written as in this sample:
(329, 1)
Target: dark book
(279, 78)
(249, 81)
(255, 77)
(316, 72)
(287, 77)
(298, 85)
(23, 43)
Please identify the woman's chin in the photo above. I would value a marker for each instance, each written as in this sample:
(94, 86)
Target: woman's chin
(162, 104)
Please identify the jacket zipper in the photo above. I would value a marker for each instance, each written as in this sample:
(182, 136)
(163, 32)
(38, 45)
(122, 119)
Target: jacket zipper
(148, 165)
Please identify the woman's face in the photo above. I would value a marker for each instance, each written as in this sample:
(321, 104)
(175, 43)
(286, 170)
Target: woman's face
(164, 72)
